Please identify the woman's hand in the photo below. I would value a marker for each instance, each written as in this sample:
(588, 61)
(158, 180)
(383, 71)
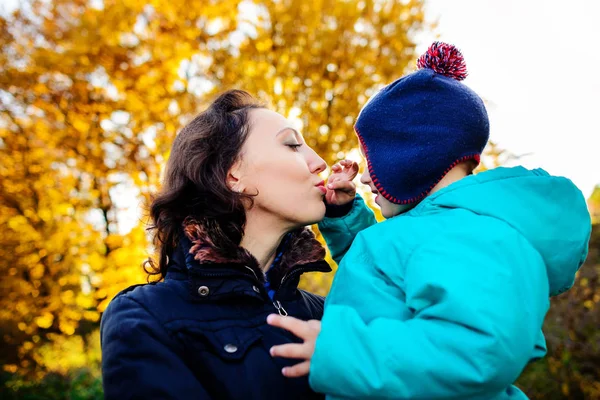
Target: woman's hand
(305, 330)
(340, 188)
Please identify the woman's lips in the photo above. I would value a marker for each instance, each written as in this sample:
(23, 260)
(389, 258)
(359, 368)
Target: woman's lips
(321, 187)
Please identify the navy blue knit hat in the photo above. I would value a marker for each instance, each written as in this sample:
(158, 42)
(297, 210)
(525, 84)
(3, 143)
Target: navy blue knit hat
(415, 130)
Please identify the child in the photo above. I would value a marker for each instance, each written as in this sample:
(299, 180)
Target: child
(446, 299)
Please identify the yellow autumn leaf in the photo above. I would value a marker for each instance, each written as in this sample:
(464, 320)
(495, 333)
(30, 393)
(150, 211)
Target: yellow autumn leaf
(91, 316)
(67, 327)
(17, 222)
(45, 320)
(37, 272)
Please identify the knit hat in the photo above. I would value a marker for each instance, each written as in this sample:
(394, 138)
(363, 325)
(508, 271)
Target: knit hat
(415, 130)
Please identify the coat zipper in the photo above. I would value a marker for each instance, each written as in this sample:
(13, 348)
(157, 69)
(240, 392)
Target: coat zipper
(276, 303)
(280, 308)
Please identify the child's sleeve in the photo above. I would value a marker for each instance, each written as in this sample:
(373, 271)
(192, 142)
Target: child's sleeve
(477, 312)
(339, 232)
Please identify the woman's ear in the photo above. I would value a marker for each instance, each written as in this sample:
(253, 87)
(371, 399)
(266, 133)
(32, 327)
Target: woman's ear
(234, 178)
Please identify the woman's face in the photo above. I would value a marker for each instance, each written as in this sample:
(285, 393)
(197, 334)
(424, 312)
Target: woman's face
(278, 166)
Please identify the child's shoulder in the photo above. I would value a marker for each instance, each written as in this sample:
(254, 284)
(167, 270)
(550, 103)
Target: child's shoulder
(390, 240)
(392, 225)
(397, 239)
(410, 230)
(402, 231)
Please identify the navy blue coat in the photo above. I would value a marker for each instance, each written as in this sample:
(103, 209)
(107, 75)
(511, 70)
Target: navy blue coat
(202, 332)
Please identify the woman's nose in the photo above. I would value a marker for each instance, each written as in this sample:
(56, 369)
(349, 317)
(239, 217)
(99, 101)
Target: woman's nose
(316, 163)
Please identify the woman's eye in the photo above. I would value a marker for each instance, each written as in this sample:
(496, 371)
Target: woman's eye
(294, 146)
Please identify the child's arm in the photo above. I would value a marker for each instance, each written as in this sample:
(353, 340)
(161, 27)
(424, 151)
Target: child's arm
(477, 312)
(339, 232)
(344, 220)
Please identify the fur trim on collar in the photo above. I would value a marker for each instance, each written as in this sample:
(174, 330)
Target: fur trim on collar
(302, 248)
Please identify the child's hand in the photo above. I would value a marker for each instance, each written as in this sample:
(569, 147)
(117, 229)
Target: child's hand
(340, 188)
(305, 330)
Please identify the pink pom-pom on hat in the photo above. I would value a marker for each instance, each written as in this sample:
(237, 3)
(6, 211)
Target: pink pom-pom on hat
(445, 59)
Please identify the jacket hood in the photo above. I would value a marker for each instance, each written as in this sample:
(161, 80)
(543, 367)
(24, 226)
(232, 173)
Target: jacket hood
(550, 212)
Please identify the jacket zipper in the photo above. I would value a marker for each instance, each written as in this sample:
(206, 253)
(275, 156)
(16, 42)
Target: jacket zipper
(276, 303)
(280, 308)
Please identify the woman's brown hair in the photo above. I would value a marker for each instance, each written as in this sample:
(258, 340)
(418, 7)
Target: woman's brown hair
(195, 186)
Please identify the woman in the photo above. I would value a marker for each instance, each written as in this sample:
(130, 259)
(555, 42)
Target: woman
(240, 186)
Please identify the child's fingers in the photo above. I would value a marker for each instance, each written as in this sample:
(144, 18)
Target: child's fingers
(296, 326)
(349, 164)
(351, 168)
(292, 350)
(336, 168)
(346, 186)
(333, 178)
(297, 370)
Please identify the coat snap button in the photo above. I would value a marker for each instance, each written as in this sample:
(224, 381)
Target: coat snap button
(230, 348)
(203, 291)
(257, 290)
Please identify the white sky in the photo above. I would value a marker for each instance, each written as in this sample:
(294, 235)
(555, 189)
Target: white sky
(537, 62)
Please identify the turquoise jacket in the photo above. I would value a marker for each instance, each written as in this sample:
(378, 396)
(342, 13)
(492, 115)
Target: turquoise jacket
(447, 301)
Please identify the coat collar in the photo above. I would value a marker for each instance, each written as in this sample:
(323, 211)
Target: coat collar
(302, 253)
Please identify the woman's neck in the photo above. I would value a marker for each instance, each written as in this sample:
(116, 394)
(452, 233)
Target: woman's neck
(262, 237)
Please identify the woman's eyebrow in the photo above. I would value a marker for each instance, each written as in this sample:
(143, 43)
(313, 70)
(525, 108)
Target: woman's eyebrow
(286, 129)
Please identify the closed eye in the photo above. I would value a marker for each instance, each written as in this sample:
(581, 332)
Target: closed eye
(294, 146)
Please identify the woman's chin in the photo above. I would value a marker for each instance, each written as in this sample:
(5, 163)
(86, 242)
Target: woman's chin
(316, 215)
(319, 212)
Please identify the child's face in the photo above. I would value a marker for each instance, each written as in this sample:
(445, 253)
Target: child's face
(388, 209)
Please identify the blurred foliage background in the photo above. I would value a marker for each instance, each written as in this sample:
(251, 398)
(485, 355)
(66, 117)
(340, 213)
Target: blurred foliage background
(92, 93)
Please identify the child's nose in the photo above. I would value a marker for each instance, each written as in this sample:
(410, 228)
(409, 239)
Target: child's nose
(365, 178)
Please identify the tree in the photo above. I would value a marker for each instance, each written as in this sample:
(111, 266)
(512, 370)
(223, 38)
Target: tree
(87, 108)
(594, 205)
(92, 94)
(571, 369)
(320, 61)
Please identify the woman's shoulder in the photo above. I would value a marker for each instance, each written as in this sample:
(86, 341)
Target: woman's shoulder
(149, 293)
(149, 301)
